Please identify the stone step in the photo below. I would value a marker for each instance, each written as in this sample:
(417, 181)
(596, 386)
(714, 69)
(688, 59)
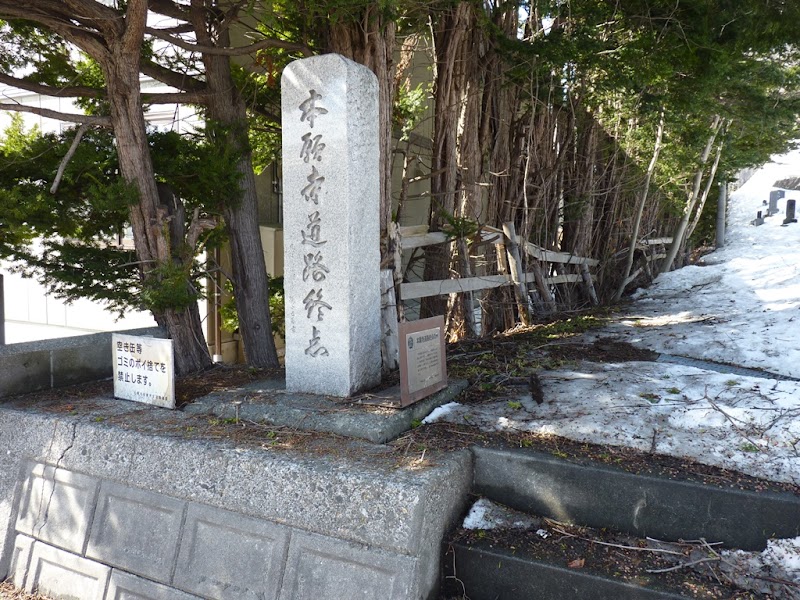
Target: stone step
(644, 505)
(501, 565)
(480, 571)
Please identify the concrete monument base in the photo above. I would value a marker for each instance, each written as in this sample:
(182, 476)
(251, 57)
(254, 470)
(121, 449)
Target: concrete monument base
(118, 501)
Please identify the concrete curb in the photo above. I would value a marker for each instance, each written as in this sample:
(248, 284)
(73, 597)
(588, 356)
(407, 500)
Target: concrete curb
(641, 505)
(493, 574)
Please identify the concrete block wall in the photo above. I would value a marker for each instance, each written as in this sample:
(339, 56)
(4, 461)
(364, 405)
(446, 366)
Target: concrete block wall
(93, 510)
(34, 366)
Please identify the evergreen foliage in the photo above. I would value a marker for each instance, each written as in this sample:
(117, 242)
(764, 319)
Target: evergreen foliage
(70, 240)
(540, 112)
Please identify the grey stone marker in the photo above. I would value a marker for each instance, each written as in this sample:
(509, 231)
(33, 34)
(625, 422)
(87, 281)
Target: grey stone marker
(329, 110)
(758, 220)
(774, 196)
(790, 212)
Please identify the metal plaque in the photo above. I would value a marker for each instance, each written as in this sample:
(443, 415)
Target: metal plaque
(423, 367)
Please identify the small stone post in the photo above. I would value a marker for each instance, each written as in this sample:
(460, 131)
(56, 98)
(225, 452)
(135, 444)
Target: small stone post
(722, 209)
(758, 220)
(332, 285)
(790, 212)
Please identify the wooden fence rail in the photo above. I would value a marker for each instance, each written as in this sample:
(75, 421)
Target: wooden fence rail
(418, 237)
(411, 237)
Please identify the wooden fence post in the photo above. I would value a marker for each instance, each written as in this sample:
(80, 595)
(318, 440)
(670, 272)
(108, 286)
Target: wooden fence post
(469, 299)
(389, 330)
(515, 263)
(541, 284)
(395, 251)
(589, 284)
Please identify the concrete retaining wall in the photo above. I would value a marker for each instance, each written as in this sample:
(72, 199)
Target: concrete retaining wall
(34, 366)
(90, 509)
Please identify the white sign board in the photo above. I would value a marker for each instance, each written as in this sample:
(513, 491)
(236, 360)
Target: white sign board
(144, 369)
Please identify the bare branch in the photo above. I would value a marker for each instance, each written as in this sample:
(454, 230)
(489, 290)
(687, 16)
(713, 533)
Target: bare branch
(683, 565)
(59, 116)
(193, 97)
(169, 9)
(53, 16)
(47, 90)
(197, 227)
(174, 98)
(229, 51)
(172, 78)
(183, 28)
(267, 115)
(95, 14)
(68, 156)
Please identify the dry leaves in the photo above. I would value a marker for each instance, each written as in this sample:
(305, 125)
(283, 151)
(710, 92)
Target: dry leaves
(576, 564)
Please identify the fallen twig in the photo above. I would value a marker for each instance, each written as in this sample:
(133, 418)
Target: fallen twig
(620, 546)
(732, 422)
(680, 566)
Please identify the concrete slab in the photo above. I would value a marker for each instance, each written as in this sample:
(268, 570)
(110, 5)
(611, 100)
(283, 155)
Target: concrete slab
(642, 505)
(56, 506)
(136, 530)
(58, 573)
(20, 437)
(226, 556)
(101, 451)
(22, 373)
(76, 365)
(317, 568)
(124, 586)
(42, 364)
(337, 498)
(445, 501)
(359, 417)
(199, 475)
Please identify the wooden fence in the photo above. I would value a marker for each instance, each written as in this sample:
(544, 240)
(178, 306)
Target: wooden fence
(509, 246)
(651, 249)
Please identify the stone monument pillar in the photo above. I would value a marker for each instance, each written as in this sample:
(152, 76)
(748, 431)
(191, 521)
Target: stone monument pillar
(790, 212)
(331, 227)
(774, 196)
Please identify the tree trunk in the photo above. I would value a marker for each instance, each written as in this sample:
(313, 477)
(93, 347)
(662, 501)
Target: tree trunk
(680, 232)
(249, 272)
(637, 217)
(451, 33)
(370, 41)
(153, 246)
(709, 182)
